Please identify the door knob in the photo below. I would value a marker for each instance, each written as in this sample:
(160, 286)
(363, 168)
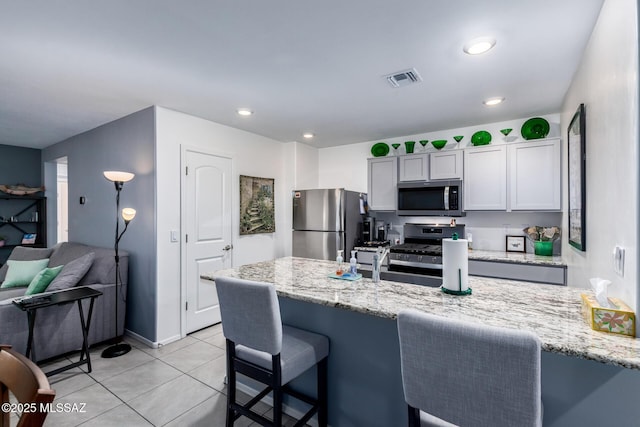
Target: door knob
(227, 248)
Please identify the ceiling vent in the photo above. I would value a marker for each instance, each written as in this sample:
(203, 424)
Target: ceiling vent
(404, 78)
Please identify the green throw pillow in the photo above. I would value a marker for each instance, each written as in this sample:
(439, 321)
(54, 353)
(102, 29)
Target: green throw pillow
(21, 273)
(42, 280)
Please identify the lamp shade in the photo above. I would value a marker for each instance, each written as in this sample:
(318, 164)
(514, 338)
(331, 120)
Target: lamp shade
(117, 176)
(128, 214)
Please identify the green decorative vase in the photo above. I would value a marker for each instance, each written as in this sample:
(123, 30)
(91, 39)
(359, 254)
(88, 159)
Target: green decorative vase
(543, 247)
(408, 145)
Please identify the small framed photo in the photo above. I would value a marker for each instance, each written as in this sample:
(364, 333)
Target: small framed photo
(515, 244)
(29, 239)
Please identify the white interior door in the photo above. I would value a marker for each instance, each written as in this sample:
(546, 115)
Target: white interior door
(207, 225)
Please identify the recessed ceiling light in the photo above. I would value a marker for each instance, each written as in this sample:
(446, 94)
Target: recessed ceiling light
(479, 45)
(245, 111)
(493, 101)
(308, 135)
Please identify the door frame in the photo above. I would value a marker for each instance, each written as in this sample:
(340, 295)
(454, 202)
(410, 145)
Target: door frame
(183, 226)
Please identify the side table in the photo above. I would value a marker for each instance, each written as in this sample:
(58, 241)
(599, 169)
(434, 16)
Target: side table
(31, 304)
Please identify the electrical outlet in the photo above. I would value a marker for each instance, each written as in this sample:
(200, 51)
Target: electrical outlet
(618, 260)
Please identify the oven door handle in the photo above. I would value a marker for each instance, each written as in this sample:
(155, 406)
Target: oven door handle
(415, 264)
(446, 198)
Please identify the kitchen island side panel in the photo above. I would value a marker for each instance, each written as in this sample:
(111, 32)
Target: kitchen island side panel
(365, 383)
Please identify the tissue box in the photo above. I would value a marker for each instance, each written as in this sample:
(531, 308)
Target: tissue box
(616, 320)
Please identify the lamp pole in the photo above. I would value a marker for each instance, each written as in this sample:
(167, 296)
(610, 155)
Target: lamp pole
(119, 348)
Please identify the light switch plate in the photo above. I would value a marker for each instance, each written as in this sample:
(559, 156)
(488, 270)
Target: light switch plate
(174, 236)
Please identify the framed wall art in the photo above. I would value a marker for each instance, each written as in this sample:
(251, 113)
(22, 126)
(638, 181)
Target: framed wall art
(257, 208)
(577, 179)
(515, 243)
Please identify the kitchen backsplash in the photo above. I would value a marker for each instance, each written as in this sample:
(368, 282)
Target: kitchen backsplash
(489, 229)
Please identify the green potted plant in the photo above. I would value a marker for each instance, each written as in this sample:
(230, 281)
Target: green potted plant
(543, 238)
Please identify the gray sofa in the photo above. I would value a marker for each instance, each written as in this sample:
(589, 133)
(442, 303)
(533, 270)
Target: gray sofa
(57, 328)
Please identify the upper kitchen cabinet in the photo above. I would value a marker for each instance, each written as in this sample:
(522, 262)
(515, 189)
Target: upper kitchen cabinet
(382, 180)
(485, 178)
(535, 175)
(446, 165)
(414, 167)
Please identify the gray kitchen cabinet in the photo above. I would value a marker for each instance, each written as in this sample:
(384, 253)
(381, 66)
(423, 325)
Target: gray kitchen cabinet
(446, 165)
(485, 178)
(414, 167)
(535, 175)
(553, 274)
(382, 181)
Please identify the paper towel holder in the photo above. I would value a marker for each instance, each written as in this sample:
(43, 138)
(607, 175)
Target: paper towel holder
(460, 292)
(450, 292)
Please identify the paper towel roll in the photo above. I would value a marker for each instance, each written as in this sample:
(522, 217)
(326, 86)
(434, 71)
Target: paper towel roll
(455, 264)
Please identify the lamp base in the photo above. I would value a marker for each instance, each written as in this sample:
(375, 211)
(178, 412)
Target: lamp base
(116, 350)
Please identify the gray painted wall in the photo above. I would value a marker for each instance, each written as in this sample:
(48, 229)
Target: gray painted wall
(127, 144)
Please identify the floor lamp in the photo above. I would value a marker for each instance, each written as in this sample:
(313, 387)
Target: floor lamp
(119, 178)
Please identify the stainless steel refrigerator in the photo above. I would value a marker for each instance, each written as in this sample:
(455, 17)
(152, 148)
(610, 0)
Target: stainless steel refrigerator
(325, 221)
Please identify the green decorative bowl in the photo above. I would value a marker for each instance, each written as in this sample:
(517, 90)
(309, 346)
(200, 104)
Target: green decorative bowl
(380, 149)
(424, 142)
(482, 137)
(438, 144)
(535, 128)
(458, 138)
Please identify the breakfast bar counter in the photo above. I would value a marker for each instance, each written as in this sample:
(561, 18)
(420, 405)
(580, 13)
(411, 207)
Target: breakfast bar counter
(359, 318)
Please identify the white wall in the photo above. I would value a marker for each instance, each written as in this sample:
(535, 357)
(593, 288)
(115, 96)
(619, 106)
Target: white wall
(306, 166)
(346, 166)
(252, 155)
(607, 83)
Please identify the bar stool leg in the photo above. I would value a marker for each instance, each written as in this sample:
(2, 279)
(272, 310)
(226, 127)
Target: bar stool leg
(277, 390)
(231, 385)
(322, 393)
(414, 416)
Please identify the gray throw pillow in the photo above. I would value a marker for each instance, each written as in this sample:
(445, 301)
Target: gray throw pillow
(22, 253)
(72, 273)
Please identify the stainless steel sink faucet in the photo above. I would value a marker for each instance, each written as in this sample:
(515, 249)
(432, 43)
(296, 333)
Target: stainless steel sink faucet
(378, 259)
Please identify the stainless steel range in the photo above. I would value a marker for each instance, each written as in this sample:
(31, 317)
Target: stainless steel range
(421, 252)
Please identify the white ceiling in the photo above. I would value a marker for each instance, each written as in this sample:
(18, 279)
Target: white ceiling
(302, 65)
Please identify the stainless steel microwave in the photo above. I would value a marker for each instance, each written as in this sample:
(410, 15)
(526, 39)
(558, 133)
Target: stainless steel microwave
(438, 198)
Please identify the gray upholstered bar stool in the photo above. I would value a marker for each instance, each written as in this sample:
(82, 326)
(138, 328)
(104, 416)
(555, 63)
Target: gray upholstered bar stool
(468, 374)
(261, 347)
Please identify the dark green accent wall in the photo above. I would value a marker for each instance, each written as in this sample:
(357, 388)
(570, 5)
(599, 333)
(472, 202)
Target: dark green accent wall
(19, 165)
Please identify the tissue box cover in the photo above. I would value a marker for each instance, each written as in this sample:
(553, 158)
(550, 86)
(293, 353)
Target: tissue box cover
(617, 320)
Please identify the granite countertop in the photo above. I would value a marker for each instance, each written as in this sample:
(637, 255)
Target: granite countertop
(551, 312)
(516, 258)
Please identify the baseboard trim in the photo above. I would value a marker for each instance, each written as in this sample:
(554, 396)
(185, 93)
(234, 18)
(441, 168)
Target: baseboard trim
(141, 339)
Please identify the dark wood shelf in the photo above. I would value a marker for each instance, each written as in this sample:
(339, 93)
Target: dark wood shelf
(22, 208)
(36, 245)
(4, 196)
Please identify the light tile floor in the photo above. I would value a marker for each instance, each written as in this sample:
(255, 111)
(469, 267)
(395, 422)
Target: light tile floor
(178, 384)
